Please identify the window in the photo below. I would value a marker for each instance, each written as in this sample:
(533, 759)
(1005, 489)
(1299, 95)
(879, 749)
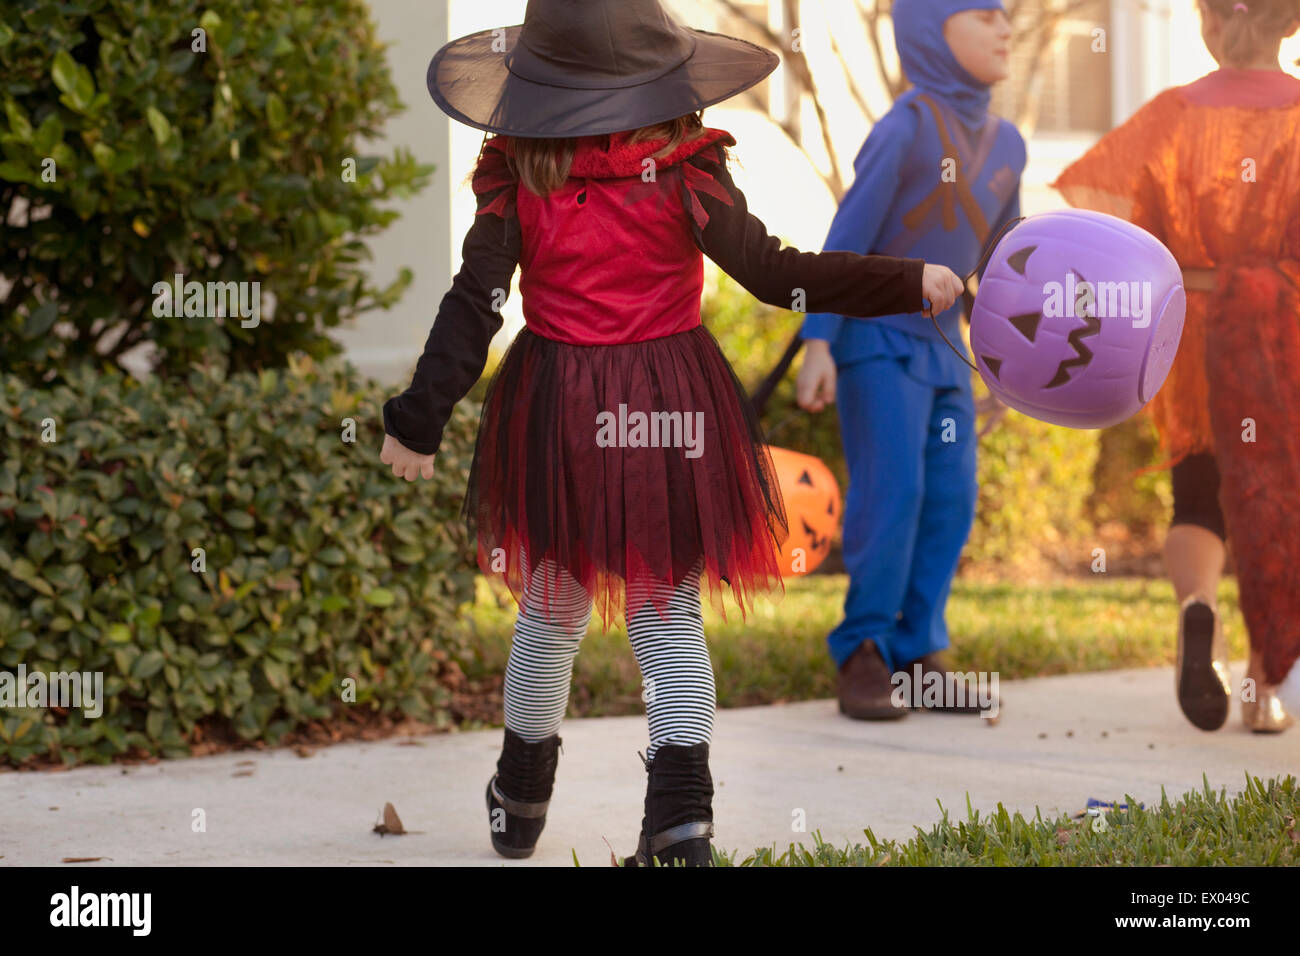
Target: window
(1069, 91)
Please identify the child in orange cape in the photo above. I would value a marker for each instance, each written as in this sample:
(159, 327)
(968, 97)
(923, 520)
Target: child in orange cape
(1213, 170)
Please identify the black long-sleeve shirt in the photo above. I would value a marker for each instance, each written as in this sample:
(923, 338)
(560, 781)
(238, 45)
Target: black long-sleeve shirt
(468, 317)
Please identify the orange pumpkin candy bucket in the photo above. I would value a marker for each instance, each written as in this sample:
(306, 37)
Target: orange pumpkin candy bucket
(812, 508)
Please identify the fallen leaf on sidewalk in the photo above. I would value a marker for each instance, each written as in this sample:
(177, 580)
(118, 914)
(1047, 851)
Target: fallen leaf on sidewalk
(392, 823)
(242, 773)
(82, 859)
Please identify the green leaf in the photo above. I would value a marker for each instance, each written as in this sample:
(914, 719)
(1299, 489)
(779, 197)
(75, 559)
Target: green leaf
(41, 320)
(380, 597)
(64, 71)
(162, 130)
(104, 156)
(6, 35)
(205, 207)
(114, 736)
(409, 553)
(210, 20)
(119, 634)
(15, 172)
(180, 61)
(275, 112)
(277, 675)
(48, 135)
(148, 664)
(125, 160)
(25, 571)
(19, 124)
(239, 519)
(74, 80)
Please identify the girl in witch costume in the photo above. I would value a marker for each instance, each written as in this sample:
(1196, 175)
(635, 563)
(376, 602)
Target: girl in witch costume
(1212, 169)
(605, 188)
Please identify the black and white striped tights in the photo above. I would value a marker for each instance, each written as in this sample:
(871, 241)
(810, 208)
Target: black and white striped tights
(671, 651)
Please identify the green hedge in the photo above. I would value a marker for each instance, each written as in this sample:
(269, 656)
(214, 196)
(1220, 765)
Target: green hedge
(1035, 481)
(753, 336)
(128, 156)
(320, 565)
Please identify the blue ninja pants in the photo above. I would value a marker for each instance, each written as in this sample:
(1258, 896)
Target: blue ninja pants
(911, 502)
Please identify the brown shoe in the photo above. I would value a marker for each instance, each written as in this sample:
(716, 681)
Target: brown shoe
(865, 689)
(967, 703)
(1201, 676)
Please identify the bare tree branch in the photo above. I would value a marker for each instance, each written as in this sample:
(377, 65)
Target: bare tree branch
(854, 89)
(1038, 36)
(895, 86)
(798, 65)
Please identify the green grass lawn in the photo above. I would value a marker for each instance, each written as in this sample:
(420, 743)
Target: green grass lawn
(1258, 827)
(779, 654)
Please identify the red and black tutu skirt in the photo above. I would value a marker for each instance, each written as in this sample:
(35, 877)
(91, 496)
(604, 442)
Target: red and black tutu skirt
(566, 470)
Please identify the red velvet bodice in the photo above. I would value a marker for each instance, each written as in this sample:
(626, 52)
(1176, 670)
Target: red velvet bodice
(609, 258)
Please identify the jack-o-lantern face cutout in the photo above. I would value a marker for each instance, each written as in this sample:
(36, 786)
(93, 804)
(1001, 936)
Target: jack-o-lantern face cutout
(1078, 318)
(812, 508)
(1027, 324)
(1082, 354)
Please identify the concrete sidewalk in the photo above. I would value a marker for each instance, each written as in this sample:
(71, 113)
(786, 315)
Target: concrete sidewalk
(1059, 741)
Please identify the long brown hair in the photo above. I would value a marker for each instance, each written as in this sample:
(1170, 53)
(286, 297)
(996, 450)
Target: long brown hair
(543, 165)
(1254, 31)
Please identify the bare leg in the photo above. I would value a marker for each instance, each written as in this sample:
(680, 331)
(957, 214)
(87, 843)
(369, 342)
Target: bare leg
(1194, 560)
(1194, 557)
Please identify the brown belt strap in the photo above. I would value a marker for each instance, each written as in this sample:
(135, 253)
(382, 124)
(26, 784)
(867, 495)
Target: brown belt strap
(949, 197)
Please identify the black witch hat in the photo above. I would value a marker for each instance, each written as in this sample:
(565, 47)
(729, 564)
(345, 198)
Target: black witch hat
(590, 67)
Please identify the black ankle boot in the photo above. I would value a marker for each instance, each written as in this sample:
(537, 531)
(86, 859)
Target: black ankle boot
(519, 793)
(678, 818)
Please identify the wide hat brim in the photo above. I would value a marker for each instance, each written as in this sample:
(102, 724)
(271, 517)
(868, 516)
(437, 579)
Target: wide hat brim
(471, 83)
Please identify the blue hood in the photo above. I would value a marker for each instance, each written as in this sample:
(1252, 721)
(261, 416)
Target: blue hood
(928, 62)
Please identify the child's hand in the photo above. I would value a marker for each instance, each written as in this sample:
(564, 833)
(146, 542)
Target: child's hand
(941, 286)
(406, 463)
(815, 386)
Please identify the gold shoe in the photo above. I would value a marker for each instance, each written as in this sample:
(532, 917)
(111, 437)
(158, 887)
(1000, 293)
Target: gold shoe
(1265, 714)
(1201, 678)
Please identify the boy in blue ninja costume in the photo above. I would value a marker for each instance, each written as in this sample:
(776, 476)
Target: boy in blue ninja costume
(937, 179)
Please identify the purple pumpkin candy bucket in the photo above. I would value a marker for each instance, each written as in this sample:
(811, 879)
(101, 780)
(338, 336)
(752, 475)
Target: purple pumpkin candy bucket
(1078, 318)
